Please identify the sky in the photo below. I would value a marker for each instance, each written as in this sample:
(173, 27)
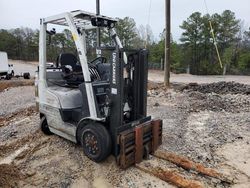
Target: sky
(26, 13)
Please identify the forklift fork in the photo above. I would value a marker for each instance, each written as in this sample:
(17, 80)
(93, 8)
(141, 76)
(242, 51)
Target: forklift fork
(137, 143)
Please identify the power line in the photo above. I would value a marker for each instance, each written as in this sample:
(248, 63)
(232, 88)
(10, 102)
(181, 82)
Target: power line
(149, 11)
(149, 14)
(205, 2)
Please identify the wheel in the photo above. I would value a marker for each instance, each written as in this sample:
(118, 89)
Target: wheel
(96, 142)
(44, 126)
(26, 75)
(8, 77)
(12, 73)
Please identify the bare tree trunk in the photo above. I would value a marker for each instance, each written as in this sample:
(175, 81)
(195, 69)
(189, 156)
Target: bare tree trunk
(224, 69)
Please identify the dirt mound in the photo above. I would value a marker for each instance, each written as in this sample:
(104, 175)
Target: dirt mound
(222, 96)
(4, 84)
(234, 103)
(220, 88)
(10, 175)
(155, 85)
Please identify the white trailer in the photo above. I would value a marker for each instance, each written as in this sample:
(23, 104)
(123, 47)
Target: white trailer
(6, 70)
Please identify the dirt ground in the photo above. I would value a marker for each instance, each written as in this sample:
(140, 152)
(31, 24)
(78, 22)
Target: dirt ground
(204, 125)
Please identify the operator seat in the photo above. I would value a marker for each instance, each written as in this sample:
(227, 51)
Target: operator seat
(67, 59)
(74, 75)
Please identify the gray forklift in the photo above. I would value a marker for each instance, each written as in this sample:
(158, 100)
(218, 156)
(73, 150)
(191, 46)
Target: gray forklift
(100, 104)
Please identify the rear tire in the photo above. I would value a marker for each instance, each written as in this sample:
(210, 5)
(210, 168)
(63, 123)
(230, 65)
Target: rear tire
(8, 77)
(96, 141)
(26, 75)
(44, 126)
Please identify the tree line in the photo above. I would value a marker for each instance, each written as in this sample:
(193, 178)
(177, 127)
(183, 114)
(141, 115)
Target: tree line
(194, 52)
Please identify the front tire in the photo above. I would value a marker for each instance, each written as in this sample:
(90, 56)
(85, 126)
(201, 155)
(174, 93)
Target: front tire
(96, 142)
(44, 126)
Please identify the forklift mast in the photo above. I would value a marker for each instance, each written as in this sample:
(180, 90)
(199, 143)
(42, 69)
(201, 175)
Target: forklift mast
(133, 133)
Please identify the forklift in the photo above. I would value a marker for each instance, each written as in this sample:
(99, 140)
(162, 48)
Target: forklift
(100, 104)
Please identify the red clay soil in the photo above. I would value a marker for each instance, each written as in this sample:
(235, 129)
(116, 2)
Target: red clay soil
(4, 84)
(10, 175)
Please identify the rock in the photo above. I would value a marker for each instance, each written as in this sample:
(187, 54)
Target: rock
(156, 104)
(13, 133)
(30, 173)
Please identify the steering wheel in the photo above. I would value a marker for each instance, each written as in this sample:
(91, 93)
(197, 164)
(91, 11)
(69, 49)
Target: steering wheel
(98, 61)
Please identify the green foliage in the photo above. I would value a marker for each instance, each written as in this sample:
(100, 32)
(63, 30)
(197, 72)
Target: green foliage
(8, 42)
(20, 43)
(156, 55)
(126, 30)
(199, 42)
(244, 62)
(156, 52)
(177, 58)
(246, 39)
(228, 55)
(192, 29)
(60, 43)
(227, 27)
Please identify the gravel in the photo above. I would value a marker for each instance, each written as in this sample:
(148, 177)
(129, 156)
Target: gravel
(214, 102)
(14, 99)
(220, 88)
(197, 124)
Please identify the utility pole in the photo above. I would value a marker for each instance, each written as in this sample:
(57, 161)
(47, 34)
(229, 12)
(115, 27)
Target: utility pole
(98, 40)
(167, 42)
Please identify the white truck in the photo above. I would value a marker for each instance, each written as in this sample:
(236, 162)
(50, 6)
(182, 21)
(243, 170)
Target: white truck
(6, 70)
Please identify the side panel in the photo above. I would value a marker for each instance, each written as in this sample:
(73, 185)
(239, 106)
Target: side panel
(56, 124)
(3, 62)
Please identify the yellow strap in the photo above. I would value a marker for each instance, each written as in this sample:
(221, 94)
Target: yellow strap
(215, 43)
(213, 35)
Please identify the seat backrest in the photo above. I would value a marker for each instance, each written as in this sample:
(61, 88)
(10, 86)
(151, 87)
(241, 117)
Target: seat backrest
(67, 59)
